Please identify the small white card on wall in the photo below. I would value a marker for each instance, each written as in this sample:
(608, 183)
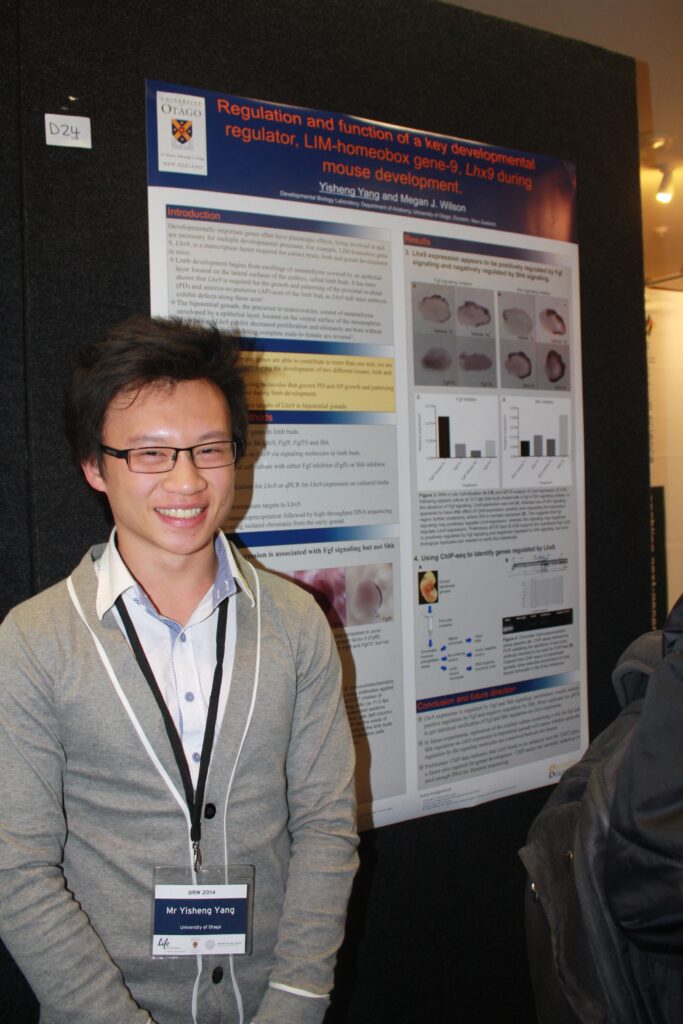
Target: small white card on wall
(67, 130)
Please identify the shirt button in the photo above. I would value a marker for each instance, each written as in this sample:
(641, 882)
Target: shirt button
(182, 638)
(196, 757)
(189, 696)
(217, 975)
(210, 811)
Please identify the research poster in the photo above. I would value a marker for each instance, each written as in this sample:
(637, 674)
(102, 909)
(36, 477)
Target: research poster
(408, 306)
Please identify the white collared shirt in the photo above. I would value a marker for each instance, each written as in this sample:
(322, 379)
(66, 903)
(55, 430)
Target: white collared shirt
(181, 656)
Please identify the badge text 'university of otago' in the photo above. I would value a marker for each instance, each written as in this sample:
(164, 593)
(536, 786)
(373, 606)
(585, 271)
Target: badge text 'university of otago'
(182, 131)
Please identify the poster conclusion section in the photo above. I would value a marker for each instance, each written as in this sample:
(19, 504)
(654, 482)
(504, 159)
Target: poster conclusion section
(408, 307)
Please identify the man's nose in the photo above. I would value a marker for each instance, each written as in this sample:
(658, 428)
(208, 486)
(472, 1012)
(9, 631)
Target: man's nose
(184, 476)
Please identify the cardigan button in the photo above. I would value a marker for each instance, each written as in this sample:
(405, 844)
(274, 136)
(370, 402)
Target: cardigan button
(210, 811)
(217, 975)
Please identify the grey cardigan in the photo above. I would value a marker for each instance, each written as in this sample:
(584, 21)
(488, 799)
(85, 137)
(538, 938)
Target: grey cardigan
(86, 814)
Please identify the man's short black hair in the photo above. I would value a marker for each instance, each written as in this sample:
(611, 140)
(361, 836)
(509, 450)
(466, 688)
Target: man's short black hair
(145, 351)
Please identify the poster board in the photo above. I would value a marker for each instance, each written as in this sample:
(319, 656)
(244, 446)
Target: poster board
(408, 305)
(80, 264)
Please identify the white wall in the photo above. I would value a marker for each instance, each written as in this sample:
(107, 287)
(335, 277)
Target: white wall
(649, 30)
(665, 371)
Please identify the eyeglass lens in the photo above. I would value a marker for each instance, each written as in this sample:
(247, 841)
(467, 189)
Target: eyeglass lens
(160, 460)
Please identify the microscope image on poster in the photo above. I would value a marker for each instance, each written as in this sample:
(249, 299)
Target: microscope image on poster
(357, 595)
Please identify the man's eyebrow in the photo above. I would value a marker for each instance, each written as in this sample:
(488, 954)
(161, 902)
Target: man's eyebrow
(163, 441)
(214, 435)
(148, 439)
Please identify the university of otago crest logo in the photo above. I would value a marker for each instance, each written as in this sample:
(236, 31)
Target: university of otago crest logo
(182, 131)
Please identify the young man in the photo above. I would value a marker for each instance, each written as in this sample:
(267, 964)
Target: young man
(171, 707)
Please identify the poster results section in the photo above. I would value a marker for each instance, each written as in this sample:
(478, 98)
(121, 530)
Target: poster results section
(414, 442)
(497, 537)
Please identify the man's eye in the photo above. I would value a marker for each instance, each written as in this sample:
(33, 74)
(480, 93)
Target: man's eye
(151, 454)
(213, 449)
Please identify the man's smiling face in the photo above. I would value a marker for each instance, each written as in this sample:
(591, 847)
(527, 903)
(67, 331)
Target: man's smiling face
(172, 515)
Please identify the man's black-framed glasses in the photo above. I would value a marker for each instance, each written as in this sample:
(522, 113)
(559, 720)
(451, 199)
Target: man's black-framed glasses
(160, 459)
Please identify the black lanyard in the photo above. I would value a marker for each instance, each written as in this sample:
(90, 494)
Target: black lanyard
(194, 798)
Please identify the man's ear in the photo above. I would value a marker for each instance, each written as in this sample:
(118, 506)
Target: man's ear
(93, 474)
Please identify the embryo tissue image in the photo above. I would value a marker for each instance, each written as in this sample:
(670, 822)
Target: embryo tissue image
(553, 322)
(328, 587)
(369, 594)
(436, 358)
(434, 308)
(356, 596)
(555, 366)
(428, 587)
(517, 321)
(518, 365)
(471, 314)
(470, 361)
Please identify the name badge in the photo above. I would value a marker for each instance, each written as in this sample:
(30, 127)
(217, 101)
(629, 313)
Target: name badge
(204, 918)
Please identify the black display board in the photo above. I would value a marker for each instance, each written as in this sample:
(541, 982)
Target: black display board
(436, 923)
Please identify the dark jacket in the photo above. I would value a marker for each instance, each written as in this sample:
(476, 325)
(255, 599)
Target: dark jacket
(644, 877)
(579, 958)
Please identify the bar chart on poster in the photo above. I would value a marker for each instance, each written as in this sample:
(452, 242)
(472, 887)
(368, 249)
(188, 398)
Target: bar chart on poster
(536, 442)
(457, 441)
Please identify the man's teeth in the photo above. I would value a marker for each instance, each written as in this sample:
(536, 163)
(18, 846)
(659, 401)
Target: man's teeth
(180, 513)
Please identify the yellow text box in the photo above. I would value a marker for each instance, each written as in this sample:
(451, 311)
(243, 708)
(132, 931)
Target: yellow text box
(297, 380)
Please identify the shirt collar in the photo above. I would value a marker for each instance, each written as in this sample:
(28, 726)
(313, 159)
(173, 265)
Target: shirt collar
(114, 577)
(228, 575)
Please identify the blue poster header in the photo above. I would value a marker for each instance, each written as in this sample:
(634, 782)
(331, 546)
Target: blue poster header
(218, 142)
